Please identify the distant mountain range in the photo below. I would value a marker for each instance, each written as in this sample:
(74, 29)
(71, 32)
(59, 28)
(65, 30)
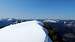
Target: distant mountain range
(64, 28)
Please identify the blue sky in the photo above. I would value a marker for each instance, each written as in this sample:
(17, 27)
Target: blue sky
(55, 9)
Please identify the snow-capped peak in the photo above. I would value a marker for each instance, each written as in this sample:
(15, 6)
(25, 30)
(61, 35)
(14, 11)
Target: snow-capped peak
(53, 21)
(9, 19)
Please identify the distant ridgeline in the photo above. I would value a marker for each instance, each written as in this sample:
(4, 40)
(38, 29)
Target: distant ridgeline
(59, 30)
(11, 21)
(8, 21)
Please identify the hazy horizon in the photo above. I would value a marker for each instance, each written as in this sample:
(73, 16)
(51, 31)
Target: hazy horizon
(41, 9)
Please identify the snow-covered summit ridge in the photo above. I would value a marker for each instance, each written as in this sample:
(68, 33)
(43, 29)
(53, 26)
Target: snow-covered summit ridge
(27, 23)
(29, 31)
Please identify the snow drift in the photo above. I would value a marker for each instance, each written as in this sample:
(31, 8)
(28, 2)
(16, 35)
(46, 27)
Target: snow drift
(29, 31)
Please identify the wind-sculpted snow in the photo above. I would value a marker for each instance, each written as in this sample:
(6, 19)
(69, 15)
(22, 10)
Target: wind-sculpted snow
(29, 31)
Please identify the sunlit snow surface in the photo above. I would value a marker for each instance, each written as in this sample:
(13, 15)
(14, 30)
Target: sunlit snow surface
(29, 31)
